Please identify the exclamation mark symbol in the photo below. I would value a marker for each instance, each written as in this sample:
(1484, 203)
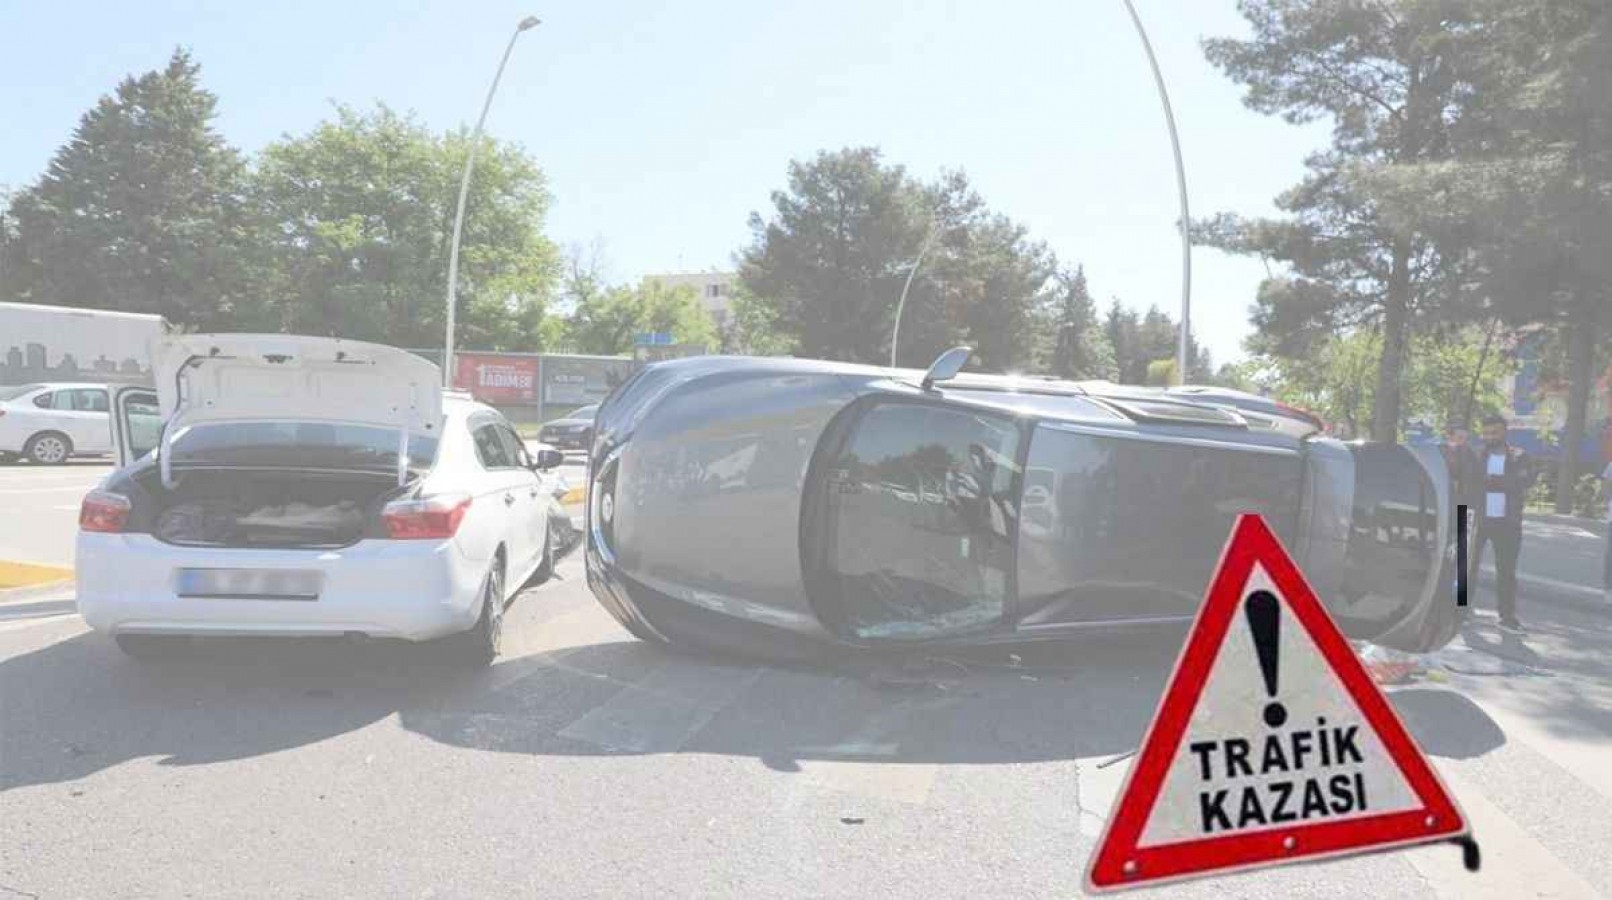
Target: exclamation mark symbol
(1265, 621)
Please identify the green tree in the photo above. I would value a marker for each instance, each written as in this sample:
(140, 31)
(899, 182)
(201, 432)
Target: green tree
(142, 210)
(1387, 76)
(1529, 187)
(362, 210)
(606, 323)
(827, 269)
(1080, 347)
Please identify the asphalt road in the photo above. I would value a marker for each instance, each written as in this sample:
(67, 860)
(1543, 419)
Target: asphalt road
(585, 764)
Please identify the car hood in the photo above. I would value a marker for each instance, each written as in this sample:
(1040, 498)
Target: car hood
(247, 377)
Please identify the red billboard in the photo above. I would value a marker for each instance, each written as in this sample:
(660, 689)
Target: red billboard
(497, 379)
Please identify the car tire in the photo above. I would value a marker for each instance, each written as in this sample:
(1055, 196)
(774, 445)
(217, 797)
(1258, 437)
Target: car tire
(48, 448)
(152, 647)
(479, 646)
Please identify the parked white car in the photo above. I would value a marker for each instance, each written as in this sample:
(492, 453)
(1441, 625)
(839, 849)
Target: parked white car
(51, 422)
(310, 486)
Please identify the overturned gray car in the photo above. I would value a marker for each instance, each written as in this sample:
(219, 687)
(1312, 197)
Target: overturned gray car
(795, 508)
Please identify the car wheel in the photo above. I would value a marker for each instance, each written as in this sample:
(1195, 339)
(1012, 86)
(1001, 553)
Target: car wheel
(153, 647)
(48, 448)
(480, 645)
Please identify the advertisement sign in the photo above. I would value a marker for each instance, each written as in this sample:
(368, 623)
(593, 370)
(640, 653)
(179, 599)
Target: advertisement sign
(580, 380)
(497, 379)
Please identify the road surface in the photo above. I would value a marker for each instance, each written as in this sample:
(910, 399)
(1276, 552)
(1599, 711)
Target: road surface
(586, 764)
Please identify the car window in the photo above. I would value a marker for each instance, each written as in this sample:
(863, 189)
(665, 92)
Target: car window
(491, 449)
(297, 443)
(921, 521)
(46, 400)
(88, 399)
(513, 445)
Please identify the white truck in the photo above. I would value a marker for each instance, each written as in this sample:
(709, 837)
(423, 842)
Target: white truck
(59, 343)
(56, 364)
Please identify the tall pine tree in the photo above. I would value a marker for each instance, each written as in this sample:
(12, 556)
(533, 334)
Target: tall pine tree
(141, 211)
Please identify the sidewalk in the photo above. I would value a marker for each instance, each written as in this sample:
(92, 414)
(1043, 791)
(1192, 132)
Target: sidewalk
(1594, 526)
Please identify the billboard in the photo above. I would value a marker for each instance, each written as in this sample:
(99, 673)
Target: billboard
(580, 380)
(497, 379)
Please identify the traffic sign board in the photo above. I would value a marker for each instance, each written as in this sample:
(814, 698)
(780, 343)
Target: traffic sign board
(1271, 744)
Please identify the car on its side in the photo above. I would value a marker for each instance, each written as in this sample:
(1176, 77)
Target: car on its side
(573, 431)
(802, 508)
(310, 486)
(52, 422)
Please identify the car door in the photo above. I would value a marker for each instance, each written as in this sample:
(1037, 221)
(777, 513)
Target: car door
(82, 414)
(531, 502)
(500, 491)
(136, 423)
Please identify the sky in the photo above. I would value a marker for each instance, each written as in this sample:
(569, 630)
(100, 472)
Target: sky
(662, 126)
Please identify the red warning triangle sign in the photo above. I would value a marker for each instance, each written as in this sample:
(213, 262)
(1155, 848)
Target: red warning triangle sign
(1271, 745)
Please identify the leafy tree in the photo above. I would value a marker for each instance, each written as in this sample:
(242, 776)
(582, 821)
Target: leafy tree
(607, 323)
(1336, 379)
(142, 210)
(1080, 348)
(362, 210)
(1529, 190)
(827, 269)
(1139, 341)
(1387, 76)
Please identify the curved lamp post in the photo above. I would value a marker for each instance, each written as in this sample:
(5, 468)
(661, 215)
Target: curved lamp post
(895, 337)
(525, 24)
(1181, 187)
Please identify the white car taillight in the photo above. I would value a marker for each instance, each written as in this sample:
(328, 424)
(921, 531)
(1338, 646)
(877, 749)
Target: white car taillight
(103, 511)
(433, 518)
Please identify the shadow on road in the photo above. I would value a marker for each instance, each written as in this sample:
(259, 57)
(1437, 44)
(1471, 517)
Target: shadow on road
(77, 706)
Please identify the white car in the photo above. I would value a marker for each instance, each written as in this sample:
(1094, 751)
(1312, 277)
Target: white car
(51, 422)
(310, 486)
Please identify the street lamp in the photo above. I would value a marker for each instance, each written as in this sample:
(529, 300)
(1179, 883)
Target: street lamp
(895, 336)
(1181, 187)
(525, 24)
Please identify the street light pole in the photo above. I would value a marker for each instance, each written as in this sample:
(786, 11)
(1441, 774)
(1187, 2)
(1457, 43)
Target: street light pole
(895, 337)
(1181, 188)
(525, 24)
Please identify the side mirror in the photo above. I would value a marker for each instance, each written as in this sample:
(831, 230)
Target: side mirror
(548, 458)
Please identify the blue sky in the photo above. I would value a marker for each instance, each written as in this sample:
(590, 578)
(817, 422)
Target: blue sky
(662, 125)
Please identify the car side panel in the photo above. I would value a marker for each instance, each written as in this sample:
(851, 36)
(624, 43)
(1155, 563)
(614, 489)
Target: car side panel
(712, 480)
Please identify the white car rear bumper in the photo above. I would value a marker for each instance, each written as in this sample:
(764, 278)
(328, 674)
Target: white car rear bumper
(417, 590)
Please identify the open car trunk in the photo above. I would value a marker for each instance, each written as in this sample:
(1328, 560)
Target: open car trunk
(270, 509)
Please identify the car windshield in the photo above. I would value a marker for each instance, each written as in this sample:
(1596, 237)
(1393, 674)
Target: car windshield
(15, 391)
(297, 444)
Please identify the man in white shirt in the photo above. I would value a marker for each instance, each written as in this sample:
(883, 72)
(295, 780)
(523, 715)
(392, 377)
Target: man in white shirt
(1505, 474)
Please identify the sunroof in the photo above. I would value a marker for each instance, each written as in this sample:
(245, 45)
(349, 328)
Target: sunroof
(1183, 413)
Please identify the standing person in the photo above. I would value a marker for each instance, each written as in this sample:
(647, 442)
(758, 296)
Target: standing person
(1504, 475)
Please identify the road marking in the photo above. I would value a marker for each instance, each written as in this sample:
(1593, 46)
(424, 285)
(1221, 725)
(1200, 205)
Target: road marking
(1514, 864)
(20, 624)
(664, 709)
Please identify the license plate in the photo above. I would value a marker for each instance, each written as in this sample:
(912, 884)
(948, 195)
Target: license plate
(250, 584)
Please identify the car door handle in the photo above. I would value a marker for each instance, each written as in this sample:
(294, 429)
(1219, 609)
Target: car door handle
(509, 499)
(534, 492)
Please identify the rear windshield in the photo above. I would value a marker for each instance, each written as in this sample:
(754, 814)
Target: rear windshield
(17, 390)
(293, 444)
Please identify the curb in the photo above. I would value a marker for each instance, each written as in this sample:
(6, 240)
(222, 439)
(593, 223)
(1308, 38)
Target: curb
(18, 575)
